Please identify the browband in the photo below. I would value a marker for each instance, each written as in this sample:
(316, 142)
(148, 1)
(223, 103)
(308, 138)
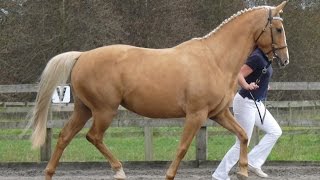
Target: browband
(277, 18)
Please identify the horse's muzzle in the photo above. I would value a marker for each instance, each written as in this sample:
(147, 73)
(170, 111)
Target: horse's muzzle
(282, 63)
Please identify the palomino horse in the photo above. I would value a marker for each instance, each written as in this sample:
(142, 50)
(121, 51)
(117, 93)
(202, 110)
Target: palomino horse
(195, 79)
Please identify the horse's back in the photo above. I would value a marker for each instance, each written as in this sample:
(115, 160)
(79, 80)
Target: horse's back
(128, 75)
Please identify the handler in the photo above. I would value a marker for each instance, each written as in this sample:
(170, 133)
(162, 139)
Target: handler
(249, 111)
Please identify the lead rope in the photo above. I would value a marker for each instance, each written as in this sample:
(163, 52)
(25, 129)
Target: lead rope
(263, 72)
(264, 115)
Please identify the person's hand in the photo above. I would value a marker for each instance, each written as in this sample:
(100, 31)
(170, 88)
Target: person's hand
(252, 86)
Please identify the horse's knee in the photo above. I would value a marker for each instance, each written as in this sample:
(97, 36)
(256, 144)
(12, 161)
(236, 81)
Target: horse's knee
(63, 141)
(243, 137)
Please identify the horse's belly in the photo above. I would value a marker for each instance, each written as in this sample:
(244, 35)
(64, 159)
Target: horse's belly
(154, 106)
(157, 113)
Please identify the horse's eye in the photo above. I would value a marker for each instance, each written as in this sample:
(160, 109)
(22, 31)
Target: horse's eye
(279, 30)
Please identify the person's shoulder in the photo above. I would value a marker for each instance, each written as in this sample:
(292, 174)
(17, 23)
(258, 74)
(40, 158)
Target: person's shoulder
(254, 56)
(257, 55)
(257, 52)
(256, 59)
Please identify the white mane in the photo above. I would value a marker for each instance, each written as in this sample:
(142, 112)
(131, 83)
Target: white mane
(234, 16)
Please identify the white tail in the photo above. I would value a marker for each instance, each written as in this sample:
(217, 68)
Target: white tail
(56, 72)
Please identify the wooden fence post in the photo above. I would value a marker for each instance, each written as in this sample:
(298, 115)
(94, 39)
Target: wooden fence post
(148, 143)
(202, 144)
(45, 150)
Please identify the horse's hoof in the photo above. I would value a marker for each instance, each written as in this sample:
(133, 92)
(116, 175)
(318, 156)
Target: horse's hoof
(241, 176)
(120, 175)
(48, 178)
(169, 177)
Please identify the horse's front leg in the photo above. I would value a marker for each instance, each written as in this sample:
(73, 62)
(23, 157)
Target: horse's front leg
(192, 125)
(227, 121)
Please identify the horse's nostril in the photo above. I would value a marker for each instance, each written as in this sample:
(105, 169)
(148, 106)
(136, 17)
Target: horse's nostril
(286, 62)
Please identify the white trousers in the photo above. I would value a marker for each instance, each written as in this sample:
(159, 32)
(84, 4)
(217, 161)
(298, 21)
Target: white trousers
(246, 113)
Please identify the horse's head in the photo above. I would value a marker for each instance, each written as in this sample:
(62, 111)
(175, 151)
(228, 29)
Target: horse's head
(272, 39)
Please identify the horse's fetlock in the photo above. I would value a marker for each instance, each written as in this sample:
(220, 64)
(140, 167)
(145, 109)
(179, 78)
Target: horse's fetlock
(243, 163)
(116, 166)
(170, 174)
(49, 172)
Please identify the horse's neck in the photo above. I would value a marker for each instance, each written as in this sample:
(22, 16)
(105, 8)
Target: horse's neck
(232, 44)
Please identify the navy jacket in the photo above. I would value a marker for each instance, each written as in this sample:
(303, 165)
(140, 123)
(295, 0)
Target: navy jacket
(257, 61)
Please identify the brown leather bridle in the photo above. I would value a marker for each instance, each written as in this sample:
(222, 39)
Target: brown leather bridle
(274, 49)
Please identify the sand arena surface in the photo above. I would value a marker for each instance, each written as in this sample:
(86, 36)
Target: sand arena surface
(152, 171)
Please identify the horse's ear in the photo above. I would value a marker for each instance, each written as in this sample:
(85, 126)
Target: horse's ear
(280, 7)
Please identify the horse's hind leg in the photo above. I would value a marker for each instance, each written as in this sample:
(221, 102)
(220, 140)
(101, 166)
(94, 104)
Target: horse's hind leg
(101, 122)
(192, 124)
(78, 119)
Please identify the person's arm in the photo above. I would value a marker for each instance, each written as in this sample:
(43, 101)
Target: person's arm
(244, 72)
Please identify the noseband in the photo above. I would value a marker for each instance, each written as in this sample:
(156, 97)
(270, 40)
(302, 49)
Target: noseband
(273, 45)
